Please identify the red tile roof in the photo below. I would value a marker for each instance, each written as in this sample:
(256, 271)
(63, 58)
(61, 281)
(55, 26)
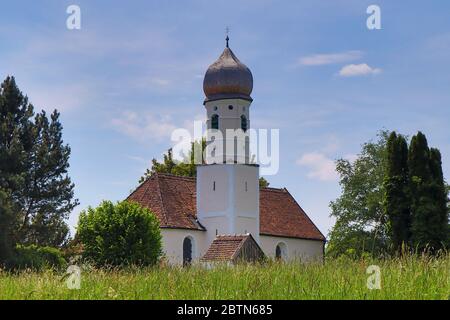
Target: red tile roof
(173, 200)
(229, 247)
(224, 248)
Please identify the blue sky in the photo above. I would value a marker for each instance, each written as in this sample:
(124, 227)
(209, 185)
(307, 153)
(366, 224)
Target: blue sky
(134, 72)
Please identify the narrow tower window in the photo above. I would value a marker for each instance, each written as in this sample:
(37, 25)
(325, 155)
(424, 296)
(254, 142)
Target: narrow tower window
(214, 186)
(243, 123)
(246, 186)
(215, 122)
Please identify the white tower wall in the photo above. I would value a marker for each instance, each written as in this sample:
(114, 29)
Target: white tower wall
(229, 112)
(228, 199)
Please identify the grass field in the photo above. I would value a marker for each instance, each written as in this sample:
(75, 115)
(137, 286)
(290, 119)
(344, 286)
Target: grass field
(406, 278)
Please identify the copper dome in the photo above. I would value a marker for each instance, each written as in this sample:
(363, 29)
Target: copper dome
(228, 78)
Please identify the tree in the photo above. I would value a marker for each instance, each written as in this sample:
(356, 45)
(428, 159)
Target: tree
(263, 183)
(35, 188)
(360, 216)
(15, 143)
(187, 167)
(119, 234)
(439, 194)
(396, 198)
(422, 204)
(391, 195)
(6, 229)
(49, 190)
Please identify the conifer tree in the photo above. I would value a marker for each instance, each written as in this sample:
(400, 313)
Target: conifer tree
(396, 183)
(428, 206)
(439, 192)
(50, 192)
(36, 194)
(15, 143)
(6, 228)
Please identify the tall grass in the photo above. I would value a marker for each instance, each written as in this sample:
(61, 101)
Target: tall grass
(409, 277)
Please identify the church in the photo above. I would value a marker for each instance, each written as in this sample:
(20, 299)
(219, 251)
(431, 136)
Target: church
(222, 215)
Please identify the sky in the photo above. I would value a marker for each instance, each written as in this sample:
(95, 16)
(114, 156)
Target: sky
(134, 71)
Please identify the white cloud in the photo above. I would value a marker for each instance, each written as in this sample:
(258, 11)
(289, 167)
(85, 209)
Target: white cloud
(330, 58)
(146, 127)
(353, 70)
(321, 167)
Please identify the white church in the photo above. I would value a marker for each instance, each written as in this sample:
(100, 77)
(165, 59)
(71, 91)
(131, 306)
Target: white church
(222, 215)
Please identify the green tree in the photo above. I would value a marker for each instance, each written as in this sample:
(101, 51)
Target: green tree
(396, 184)
(428, 195)
(37, 194)
(439, 194)
(6, 229)
(360, 216)
(119, 234)
(49, 196)
(420, 187)
(263, 183)
(15, 143)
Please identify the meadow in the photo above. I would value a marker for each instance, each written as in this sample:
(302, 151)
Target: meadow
(401, 278)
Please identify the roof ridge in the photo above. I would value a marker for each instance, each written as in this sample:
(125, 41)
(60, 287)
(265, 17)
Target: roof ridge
(232, 235)
(274, 189)
(171, 175)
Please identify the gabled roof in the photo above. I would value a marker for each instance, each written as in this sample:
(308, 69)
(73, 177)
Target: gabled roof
(173, 200)
(233, 248)
(280, 215)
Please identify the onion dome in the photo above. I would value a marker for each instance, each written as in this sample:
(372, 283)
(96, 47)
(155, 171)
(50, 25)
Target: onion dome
(228, 78)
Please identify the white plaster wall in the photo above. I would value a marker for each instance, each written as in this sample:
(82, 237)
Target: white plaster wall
(246, 198)
(229, 209)
(215, 225)
(172, 240)
(246, 201)
(210, 200)
(297, 249)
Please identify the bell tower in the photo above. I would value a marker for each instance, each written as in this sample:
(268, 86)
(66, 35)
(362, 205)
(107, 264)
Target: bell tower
(228, 185)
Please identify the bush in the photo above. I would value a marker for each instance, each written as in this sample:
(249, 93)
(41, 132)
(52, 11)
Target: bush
(38, 258)
(119, 234)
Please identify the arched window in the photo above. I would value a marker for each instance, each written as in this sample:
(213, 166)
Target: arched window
(281, 251)
(278, 252)
(215, 122)
(243, 123)
(187, 251)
